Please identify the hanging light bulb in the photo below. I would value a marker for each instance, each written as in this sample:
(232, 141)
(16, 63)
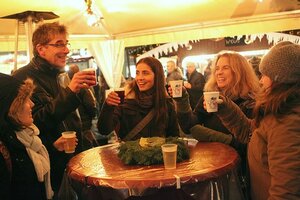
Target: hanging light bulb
(92, 18)
(89, 7)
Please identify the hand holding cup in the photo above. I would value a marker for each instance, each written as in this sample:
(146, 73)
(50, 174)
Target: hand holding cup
(210, 102)
(114, 98)
(176, 87)
(70, 141)
(121, 94)
(83, 79)
(91, 71)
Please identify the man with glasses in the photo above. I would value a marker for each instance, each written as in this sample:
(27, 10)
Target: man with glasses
(55, 105)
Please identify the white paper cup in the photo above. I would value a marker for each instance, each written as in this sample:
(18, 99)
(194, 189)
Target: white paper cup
(176, 88)
(169, 152)
(70, 145)
(93, 70)
(211, 101)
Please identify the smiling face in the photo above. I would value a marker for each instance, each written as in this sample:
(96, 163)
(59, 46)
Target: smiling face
(223, 73)
(144, 77)
(24, 114)
(55, 51)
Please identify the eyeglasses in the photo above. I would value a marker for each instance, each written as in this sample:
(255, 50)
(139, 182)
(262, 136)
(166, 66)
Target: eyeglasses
(60, 45)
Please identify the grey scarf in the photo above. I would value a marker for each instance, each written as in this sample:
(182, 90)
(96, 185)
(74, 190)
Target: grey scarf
(38, 154)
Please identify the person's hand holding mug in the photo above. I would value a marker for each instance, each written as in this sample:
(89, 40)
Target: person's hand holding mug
(82, 79)
(113, 99)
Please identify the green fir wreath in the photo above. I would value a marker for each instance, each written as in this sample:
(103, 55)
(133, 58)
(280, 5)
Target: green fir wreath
(132, 153)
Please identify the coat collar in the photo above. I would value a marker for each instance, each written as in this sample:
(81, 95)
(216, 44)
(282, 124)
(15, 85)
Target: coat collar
(43, 65)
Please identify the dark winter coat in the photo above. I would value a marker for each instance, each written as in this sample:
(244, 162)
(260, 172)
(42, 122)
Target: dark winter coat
(210, 120)
(125, 117)
(54, 112)
(197, 82)
(18, 178)
(22, 182)
(87, 109)
(273, 151)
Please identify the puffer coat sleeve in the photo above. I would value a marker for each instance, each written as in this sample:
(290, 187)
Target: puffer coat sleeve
(235, 120)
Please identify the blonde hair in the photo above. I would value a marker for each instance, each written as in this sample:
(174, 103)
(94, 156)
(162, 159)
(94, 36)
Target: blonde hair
(244, 79)
(24, 92)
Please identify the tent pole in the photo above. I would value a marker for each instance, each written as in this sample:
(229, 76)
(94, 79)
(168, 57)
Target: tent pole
(28, 28)
(16, 46)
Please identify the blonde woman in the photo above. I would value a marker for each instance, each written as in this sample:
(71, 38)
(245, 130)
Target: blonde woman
(234, 78)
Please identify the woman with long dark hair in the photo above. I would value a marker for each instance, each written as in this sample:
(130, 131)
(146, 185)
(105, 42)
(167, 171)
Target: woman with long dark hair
(144, 94)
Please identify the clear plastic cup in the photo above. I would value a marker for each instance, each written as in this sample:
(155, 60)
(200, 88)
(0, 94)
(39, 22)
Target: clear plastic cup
(169, 152)
(70, 145)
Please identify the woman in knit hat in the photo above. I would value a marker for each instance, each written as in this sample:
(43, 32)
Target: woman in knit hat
(273, 136)
(25, 166)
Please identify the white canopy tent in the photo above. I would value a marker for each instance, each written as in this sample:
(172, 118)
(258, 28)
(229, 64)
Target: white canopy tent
(141, 22)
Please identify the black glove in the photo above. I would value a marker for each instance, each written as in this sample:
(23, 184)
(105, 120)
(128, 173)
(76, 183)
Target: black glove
(204, 134)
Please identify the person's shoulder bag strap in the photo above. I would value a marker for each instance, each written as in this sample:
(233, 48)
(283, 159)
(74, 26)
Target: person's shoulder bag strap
(140, 126)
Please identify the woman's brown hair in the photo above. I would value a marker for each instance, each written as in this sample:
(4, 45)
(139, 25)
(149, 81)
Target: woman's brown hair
(159, 97)
(279, 100)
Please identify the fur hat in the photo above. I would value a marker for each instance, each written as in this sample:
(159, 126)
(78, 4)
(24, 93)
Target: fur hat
(282, 63)
(12, 91)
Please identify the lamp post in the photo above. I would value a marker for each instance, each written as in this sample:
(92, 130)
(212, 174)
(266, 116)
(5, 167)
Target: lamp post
(30, 19)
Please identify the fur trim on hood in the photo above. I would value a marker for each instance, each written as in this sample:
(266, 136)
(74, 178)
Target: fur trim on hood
(12, 90)
(25, 91)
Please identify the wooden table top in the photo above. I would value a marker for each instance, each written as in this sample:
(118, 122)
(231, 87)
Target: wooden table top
(101, 166)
